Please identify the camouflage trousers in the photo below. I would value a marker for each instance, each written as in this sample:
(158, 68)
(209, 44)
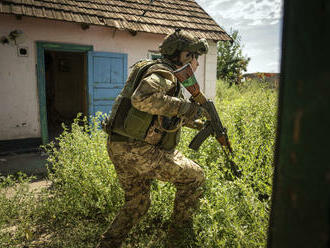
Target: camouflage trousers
(137, 164)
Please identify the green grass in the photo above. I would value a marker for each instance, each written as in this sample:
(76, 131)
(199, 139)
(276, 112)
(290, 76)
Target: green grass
(85, 194)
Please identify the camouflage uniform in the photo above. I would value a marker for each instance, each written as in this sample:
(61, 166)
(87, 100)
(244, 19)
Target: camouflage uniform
(137, 162)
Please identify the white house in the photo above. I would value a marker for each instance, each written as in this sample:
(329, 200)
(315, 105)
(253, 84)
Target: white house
(61, 57)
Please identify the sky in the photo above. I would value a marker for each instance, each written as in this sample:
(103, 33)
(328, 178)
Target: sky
(259, 23)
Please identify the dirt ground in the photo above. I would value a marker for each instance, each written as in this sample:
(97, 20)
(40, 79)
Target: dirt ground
(34, 187)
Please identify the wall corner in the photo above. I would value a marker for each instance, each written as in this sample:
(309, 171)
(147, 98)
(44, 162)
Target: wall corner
(210, 70)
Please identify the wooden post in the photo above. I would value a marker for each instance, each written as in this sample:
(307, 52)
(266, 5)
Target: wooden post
(300, 215)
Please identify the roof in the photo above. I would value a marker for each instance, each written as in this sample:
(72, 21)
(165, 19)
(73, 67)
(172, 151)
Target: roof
(152, 16)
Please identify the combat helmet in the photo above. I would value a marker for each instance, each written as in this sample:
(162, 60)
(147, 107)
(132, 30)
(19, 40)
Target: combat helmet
(181, 40)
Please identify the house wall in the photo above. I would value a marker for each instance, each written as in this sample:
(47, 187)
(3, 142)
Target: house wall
(210, 71)
(19, 105)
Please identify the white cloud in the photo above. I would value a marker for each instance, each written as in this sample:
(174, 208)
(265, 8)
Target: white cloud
(255, 12)
(259, 24)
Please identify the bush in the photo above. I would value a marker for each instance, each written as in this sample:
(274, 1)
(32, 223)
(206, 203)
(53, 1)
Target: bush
(85, 195)
(81, 171)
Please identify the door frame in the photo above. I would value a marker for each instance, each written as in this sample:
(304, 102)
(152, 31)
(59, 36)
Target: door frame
(41, 76)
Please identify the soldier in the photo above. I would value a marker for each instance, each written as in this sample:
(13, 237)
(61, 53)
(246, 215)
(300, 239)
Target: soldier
(144, 128)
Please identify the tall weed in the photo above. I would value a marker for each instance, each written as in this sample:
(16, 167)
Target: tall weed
(234, 211)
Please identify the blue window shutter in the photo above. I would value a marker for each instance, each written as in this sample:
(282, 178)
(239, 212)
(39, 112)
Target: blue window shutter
(107, 73)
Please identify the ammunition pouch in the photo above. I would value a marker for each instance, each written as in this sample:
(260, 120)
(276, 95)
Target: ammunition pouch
(131, 122)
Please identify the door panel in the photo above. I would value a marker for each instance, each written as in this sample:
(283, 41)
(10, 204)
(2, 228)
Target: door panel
(107, 76)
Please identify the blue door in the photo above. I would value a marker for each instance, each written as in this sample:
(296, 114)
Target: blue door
(107, 73)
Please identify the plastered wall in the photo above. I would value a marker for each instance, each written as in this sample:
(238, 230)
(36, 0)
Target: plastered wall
(19, 104)
(210, 71)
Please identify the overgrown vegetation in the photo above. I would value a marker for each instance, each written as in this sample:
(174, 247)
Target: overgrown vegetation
(85, 194)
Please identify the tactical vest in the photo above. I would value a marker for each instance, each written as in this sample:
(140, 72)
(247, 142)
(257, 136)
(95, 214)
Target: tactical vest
(127, 121)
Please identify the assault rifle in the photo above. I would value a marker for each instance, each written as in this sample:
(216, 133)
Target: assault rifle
(213, 126)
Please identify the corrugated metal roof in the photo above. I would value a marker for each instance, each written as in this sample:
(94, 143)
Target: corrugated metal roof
(159, 16)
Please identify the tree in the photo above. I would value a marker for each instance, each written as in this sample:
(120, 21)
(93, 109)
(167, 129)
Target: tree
(231, 63)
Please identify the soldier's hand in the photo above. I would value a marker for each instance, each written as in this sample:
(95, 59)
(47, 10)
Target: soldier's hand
(204, 111)
(190, 111)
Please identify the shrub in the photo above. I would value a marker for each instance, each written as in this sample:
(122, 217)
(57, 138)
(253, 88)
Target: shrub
(81, 171)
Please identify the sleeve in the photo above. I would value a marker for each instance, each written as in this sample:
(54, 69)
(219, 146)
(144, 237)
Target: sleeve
(151, 95)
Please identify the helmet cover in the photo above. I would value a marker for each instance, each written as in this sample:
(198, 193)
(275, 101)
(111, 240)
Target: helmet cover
(183, 41)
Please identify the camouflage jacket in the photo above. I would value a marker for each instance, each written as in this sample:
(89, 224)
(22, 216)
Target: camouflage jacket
(153, 94)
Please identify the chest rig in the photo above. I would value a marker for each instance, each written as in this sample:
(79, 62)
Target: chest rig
(127, 121)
